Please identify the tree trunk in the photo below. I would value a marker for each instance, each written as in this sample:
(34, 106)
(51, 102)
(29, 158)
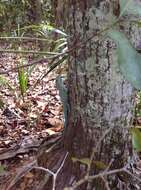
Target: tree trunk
(101, 100)
(35, 11)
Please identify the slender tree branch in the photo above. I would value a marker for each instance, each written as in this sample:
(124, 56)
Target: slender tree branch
(79, 45)
(23, 38)
(21, 173)
(95, 149)
(52, 173)
(30, 51)
(15, 69)
(106, 183)
(137, 178)
(89, 178)
(100, 175)
(53, 66)
(44, 169)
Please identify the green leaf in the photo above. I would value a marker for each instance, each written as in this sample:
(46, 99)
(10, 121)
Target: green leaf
(2, 169)
(136, 138)
(130, 7)
(100, 165)
(128, 58)
(23, 78)
(85, 161)
(51, 68)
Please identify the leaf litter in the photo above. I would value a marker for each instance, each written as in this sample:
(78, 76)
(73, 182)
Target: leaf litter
(25, 124)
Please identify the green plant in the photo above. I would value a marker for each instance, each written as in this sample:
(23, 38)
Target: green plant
(5, 82)
(46, 33)
(60, 44)
(23, 76)
(136, 138)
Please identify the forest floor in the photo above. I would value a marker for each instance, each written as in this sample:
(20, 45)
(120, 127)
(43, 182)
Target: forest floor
(24, 125)
(27, 123)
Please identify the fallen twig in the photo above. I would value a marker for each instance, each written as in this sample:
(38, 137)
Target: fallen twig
(52, 173)
(21, 173)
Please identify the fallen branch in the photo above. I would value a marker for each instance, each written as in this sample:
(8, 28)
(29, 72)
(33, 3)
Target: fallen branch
(23, 38)
(12, 152)
(52, 141)
(52, 173)
(29, 51)
(22, 172)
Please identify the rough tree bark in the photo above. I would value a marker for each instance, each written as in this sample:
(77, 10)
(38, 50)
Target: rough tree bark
(99, 96)
(34, 12)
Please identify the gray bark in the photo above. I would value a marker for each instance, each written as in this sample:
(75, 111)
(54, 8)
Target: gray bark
(99, 96)
(35, 11)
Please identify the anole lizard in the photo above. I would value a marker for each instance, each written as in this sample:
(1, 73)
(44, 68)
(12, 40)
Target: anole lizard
(63, 93)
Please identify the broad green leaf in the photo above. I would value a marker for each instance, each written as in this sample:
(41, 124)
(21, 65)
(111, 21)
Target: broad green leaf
(128, 58)
(136, 138)
(130, 7)
(100, 165)
(2, 169)
(85, 161)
